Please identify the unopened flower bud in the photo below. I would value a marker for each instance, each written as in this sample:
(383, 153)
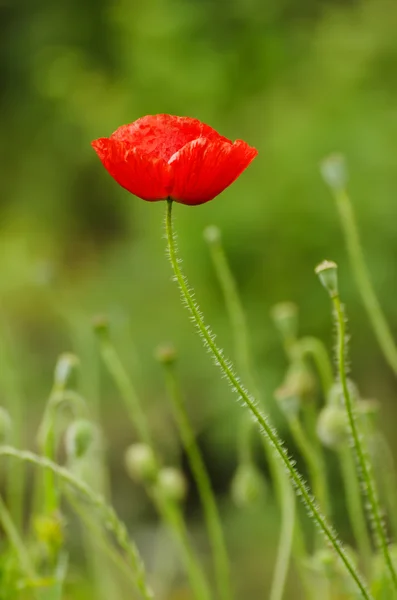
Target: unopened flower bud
(285, 317)
(5, 426)
(80, 437)
(332, 427)
(100, 324)
(289, 400)
(212, 234)
(172, 484)
(334, 172)
(327, 272)
(248, 486)
(166, 354)
(64, 368)
(140, 462)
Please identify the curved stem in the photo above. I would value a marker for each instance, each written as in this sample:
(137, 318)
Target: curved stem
(266, 428)
(363, 462)
(110, 518)
(354, 505)
(315, 348)
(363, 280)
(212, 517)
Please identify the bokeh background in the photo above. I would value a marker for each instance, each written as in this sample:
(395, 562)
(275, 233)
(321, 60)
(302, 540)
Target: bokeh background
(296, 80)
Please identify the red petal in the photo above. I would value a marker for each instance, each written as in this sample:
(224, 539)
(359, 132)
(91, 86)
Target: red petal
(144, 176)
(203, 169)
(163, 135)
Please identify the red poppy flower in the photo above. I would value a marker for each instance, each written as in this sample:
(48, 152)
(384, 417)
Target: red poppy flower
(162, 156)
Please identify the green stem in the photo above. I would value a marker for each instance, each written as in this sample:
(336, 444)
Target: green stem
(311, 346)
(363, 280)
(16, 542)
(250, 403)
(110, 518)
(363, 462)
(211, 513)
(127, 391)
(386, 466)
(354, 505)
(315, 466)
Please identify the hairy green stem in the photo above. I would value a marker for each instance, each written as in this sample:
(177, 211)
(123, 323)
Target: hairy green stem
(211, 513)
(360, 270)
(363, 462)
(354, 505)
(110, 518)
(250, 403)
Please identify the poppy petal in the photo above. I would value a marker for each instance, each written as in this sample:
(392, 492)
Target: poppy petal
(145, 176)
(204, 168)
(163, 135)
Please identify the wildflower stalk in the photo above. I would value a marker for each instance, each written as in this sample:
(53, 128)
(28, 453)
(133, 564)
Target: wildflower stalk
(243, 360)
(110, 518)
(387, 470)
(170, 512)
(334, 173)
(363, 462)
(354, 505)
(250, 403)
(311, 346)
(211, 512)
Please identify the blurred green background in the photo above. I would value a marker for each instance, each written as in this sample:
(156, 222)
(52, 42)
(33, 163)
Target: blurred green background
(295, 80)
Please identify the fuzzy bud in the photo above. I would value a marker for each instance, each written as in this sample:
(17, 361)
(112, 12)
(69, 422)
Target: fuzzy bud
(212, 234)
(166, 354)
(327, 272)
(5, 426)
(248, 486)
(66, 364)
(172, 484)
(334, 172)
(332, 429)
(285, 317)
(140, 462)
(80, 437)
(289, 400)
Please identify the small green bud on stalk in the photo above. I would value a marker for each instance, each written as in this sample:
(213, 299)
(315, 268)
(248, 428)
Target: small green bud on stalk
(248, 486)
(334, 171)
(64, 368)
(212, 234)
(166, 354)
(332, 426)
(80, 437)
(289, 400)
(327, 272)
(140, 463)
(172, 484)
(5, 426)
(285, 317)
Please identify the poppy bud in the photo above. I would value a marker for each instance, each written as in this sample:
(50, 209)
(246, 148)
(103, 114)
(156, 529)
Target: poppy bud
(327, 272)
(172, 484)
(332, 426)
(100, 325)
(212, 234)
(5, 426)
(166, 354)
(285, 317)
(80, 436)
(65, 366)
(334, 172)
(140, 462)
(289, 400)
(248, 486)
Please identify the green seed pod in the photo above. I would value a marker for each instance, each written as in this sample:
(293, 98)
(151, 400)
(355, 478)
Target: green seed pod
(5, 426)
(140, 463)
(285, 318)
(327, 272)
(334, 172)
(172, 484)
(80, 437)
(332, 426)
(248, 486)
